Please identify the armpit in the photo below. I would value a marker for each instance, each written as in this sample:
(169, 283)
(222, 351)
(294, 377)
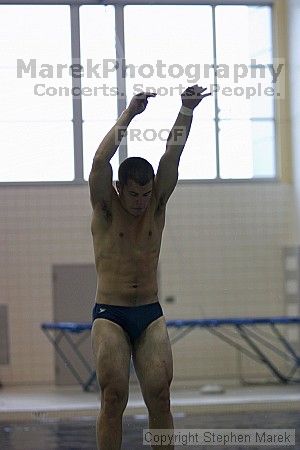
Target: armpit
(161, 204)
(103, 211)
(106, 210)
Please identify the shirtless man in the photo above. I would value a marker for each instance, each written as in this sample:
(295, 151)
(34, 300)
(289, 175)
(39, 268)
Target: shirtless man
(127, 229)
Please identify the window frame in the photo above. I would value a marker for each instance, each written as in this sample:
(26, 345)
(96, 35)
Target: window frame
(121, 83)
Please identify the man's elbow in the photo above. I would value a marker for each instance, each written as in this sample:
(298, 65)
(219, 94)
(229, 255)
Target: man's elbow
(172, 154)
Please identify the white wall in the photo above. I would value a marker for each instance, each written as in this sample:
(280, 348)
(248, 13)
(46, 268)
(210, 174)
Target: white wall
(221, 256)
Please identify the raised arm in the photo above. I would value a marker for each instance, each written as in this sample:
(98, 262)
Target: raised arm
(100, 179)
(167, 173)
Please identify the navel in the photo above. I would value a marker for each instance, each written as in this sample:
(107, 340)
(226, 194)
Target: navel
(150, 233)
(121, 234)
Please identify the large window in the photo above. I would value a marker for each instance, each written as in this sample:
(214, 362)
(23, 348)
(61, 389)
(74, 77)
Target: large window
(246, 125)
(226, 48)
(172, 54)
(36, 135)
(97, 37)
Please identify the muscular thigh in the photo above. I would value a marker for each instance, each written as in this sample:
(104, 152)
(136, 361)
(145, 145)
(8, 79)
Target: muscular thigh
(112, 353)
(152, 357)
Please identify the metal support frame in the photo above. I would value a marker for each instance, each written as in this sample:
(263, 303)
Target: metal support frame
(251, 346)
(58, 335)
(257, 354)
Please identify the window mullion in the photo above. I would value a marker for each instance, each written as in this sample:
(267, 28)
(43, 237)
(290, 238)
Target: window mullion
(216, 93)
(76, 99)
(121, 80)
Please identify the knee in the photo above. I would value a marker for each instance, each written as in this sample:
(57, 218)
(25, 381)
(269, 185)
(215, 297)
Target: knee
(114, 400)
(159, 401)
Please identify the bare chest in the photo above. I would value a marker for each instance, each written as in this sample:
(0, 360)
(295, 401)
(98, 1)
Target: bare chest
(127, 238)
(144, 237)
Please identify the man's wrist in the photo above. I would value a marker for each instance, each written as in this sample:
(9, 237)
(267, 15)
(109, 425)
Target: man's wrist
(129, 113)
(186, 111)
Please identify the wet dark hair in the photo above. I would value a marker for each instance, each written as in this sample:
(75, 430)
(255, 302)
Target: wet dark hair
(136, 169)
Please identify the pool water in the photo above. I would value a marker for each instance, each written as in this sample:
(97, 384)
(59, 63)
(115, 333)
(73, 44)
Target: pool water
(80, 434)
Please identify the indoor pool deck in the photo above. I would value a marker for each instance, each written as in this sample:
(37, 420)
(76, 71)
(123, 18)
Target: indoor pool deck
(26, 403)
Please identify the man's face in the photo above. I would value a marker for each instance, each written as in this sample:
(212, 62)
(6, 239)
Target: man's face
(135, 198)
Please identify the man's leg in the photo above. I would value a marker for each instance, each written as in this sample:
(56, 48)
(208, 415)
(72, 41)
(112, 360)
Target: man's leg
(152, 357)
(112, 354)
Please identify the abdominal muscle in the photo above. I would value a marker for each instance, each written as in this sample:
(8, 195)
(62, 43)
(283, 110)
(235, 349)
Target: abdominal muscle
(127, 282)
(126, 256)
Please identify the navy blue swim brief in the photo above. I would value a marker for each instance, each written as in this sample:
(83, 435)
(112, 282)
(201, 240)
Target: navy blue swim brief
(133, 319)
